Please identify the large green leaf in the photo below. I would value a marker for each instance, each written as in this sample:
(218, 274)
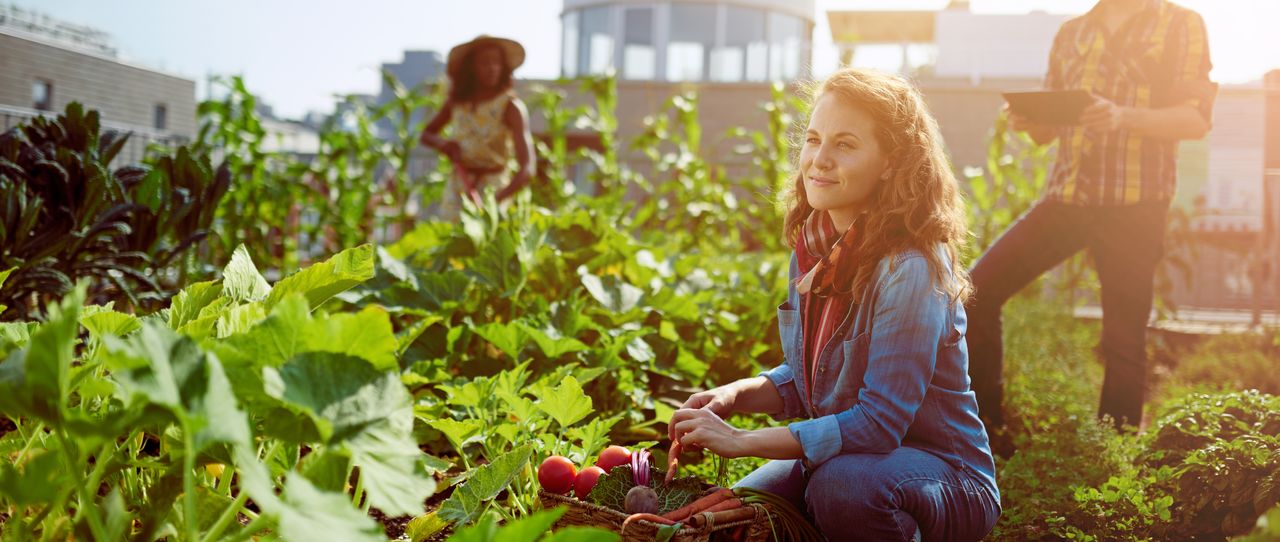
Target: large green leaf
(507, 337)
(15, 335)
(35, 380)
(366, 335)
(272, 341)
(3, 276)
(191, 300)
(341, 394)
(552, 344)
(104, 321)
(612, 292)
(388, 458)
(423, 527)
(327, 279)
(566, 403)
(437, 291)
(239, 319)
(328, 468)
(459, 432)
(498, 265)
(311, 514)
(241, 280)
(158, 367)
(291, 330)
(486, 482)
(395, 267)
(593, 434)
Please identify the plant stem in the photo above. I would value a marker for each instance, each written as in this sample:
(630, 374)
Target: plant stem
(30, 441)
(86, 501)
(224, 482)
(355, 500)
(226, 518)
(99, 467)
(189, 482)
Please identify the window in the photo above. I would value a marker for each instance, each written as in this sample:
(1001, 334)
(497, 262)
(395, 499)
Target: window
(42, 95)
(692, 37)
(569, 48)
(639, 56)
(787, 45)
(744, 56)
(161, 117)
(595, 43)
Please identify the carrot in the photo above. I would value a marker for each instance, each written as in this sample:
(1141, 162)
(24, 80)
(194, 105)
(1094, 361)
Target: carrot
(734, 511)
(700, 505)
(727, 504)
(644, 517)
(673, 460)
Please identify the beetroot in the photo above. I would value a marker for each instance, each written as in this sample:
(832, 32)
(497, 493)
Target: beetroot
(641, 500)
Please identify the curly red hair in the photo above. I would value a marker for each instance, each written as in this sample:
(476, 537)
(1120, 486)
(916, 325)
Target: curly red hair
(920, 205)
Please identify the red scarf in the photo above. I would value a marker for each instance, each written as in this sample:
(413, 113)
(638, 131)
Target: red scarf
(827, 261)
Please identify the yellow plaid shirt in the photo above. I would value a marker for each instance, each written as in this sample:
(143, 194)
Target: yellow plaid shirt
(1157, 59)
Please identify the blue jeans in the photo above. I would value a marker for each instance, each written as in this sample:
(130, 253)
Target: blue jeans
(907, 494)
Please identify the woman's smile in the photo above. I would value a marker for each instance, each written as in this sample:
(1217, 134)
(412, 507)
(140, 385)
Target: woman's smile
(822, 182)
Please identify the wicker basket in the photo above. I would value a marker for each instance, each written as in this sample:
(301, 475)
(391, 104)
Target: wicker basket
(746, 524)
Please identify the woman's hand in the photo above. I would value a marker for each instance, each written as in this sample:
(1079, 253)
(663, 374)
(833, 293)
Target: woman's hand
(702, 428)
(718, 400)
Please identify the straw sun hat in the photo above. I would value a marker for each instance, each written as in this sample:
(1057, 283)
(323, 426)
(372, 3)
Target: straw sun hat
(512, 52)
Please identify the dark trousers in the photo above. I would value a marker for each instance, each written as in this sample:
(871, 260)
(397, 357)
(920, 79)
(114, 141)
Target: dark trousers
(1127, 243)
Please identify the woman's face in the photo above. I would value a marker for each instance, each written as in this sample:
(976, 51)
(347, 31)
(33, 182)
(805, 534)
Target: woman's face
(841, 161)
(487, 66)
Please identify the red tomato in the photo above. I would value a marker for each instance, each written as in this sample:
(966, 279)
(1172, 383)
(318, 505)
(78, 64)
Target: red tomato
(587, 480)
(557, 474)
(612, 457)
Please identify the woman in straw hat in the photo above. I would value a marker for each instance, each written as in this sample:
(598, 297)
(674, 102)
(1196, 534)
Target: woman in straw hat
(489, 123)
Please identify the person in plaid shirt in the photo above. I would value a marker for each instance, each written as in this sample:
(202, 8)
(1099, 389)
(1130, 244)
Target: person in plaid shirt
(1147, 64)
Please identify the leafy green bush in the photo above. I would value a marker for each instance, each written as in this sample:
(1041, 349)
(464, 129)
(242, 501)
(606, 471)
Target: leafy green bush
(1224, 363)
(1224, 452)
(295, 403)
(64, 215)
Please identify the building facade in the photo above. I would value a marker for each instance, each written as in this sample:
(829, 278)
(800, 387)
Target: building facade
(721, 41)
(46, 64)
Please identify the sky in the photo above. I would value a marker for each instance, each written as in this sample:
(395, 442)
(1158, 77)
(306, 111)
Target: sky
(298, 54)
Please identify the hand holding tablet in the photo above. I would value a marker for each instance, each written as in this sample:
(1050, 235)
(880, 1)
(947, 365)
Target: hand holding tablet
(1050, 107)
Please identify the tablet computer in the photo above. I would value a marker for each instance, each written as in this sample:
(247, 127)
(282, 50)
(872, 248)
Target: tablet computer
(1050, 107)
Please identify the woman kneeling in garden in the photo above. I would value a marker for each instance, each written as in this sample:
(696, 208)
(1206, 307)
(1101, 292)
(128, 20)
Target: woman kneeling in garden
(872, 333)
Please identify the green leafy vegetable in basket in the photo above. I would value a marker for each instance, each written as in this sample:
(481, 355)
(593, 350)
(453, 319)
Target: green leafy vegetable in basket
(611, 490)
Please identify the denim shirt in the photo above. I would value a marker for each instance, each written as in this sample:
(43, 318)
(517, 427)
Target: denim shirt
(895, 373)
